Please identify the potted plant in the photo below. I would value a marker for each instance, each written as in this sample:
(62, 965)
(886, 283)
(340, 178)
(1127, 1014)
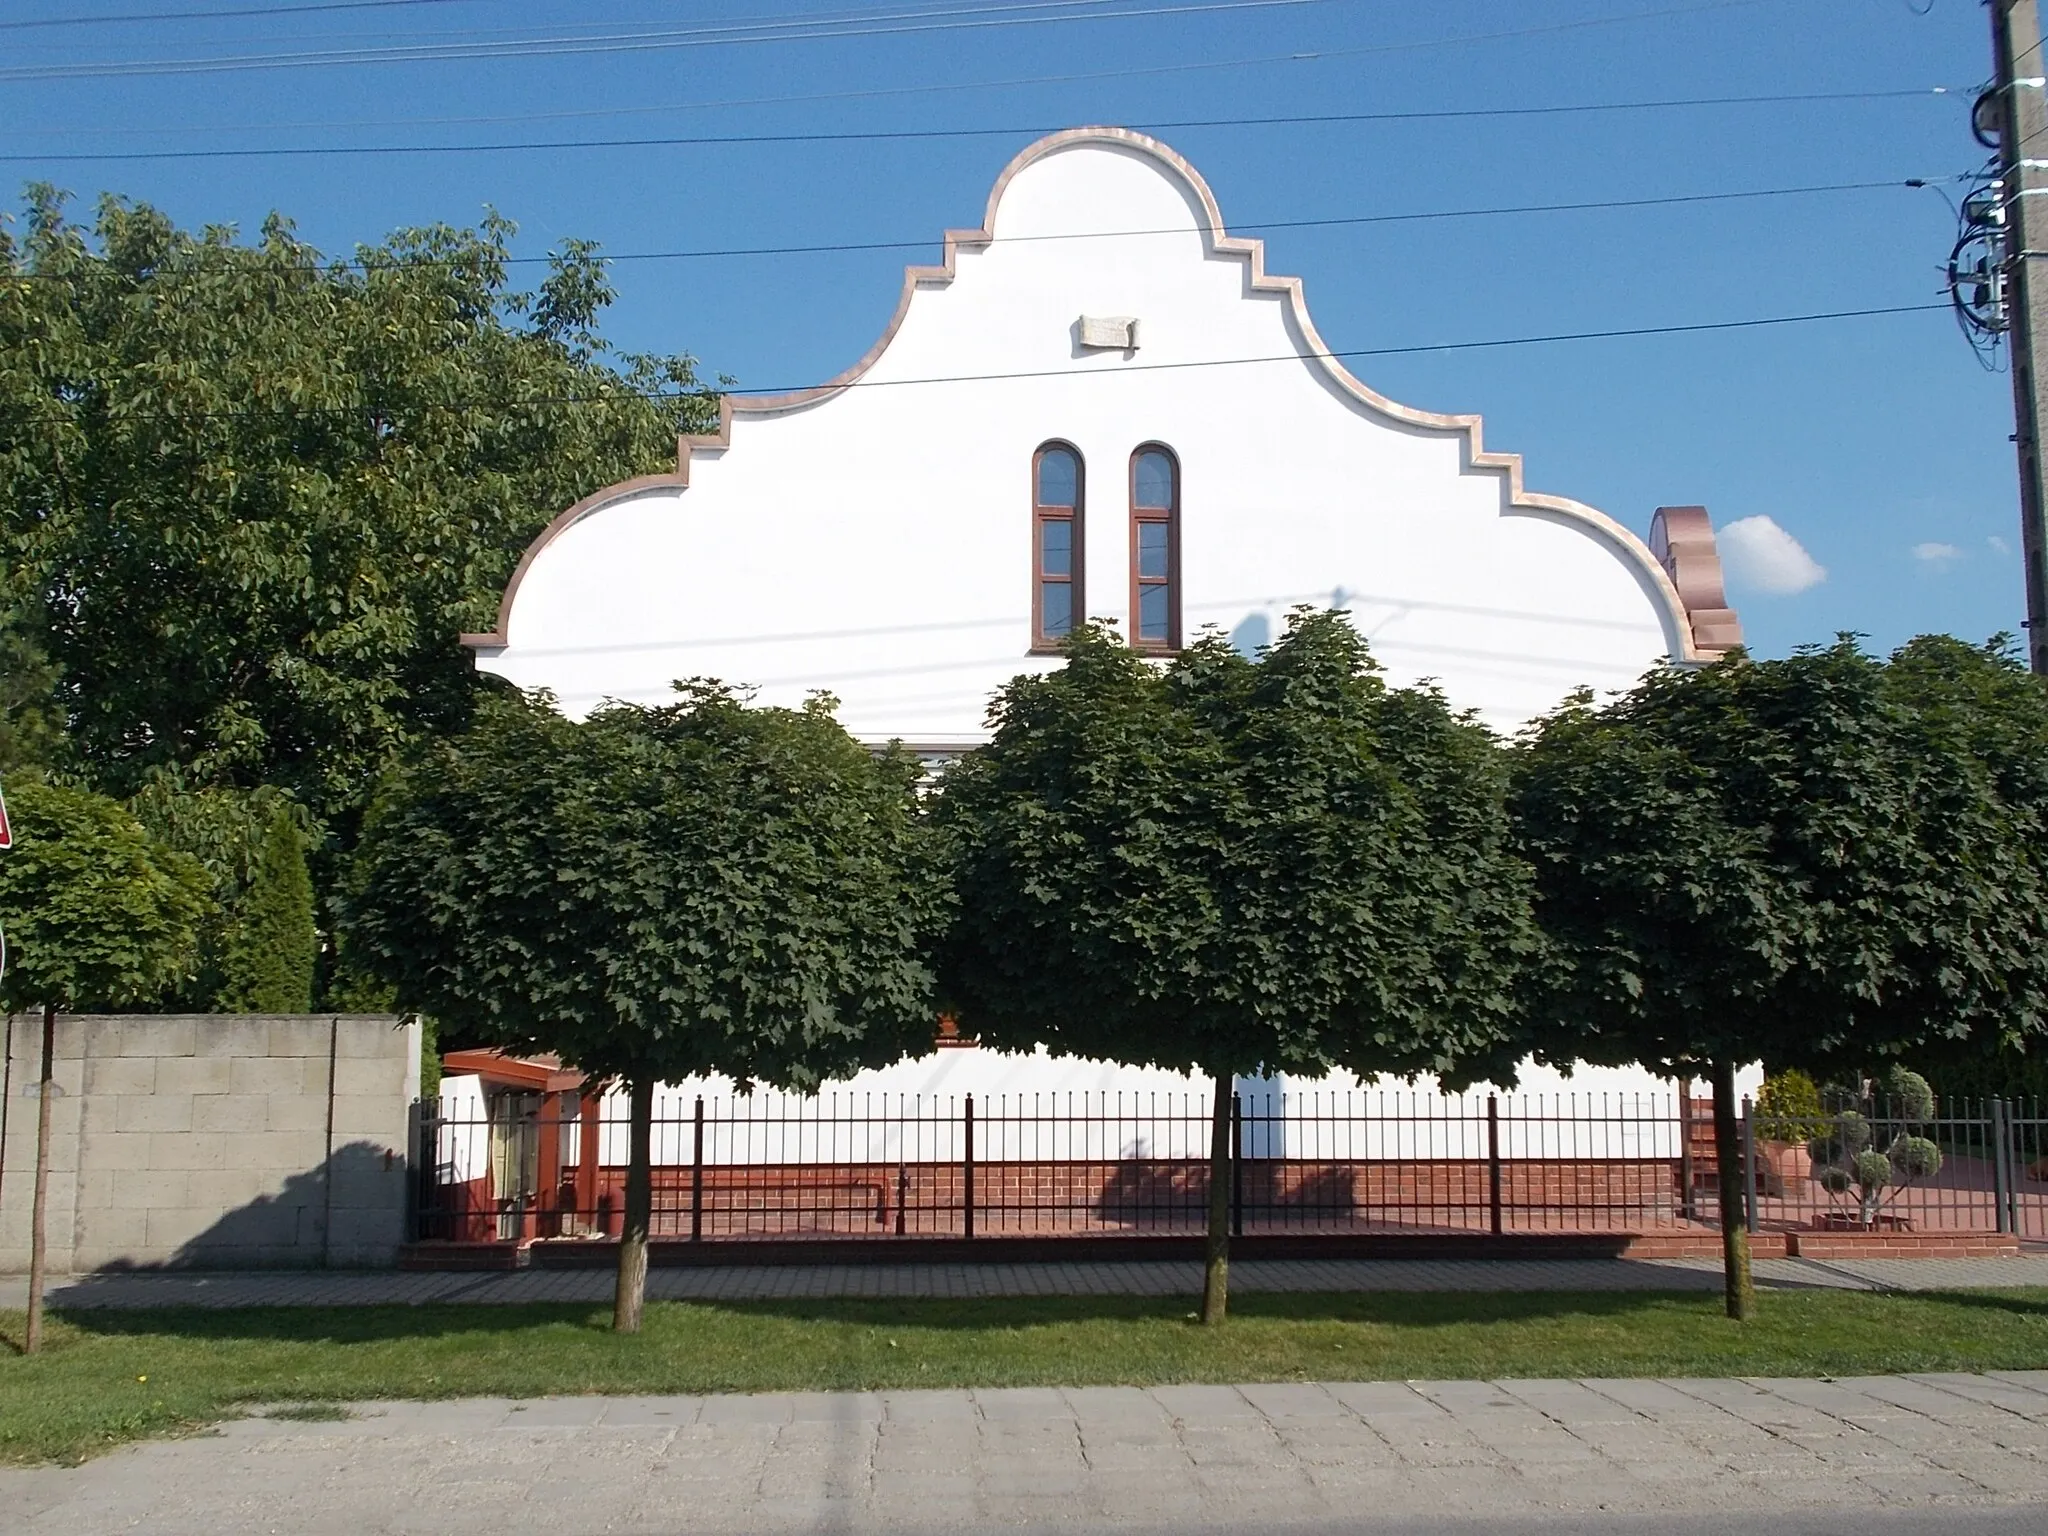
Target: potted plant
(1863, 1178)
(1788, 1117)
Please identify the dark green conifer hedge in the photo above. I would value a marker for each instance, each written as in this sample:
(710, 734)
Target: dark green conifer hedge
(268, 967)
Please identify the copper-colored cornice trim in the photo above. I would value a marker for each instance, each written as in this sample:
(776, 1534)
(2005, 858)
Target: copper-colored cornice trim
(1253, 252)
(679, 479)
(1682, 541)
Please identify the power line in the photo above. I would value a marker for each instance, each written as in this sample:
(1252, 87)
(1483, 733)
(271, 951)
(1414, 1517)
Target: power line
(243, 11)
(617, 396)
(1334, 222)
(1693, 328)
(1299, 56)
(408, 262)
(799, 23)
(567, 32)
(1019, 13)
(897, 135)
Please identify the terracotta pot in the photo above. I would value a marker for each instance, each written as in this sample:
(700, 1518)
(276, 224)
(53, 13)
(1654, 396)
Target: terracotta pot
(1783, 1168)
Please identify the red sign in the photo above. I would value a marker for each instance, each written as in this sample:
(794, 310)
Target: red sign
(6, 832)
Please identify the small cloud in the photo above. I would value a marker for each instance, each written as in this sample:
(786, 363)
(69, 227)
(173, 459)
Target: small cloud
(1998, 545)
(1937, 555)
(1761, 554)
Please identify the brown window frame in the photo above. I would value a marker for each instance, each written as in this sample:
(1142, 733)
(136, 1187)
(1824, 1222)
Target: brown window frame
(1077, 515)
(1171, 517)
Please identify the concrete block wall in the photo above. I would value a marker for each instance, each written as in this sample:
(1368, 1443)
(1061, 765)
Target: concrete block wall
(212, 1141)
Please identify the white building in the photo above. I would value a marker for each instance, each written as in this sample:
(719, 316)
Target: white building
(1099, 403)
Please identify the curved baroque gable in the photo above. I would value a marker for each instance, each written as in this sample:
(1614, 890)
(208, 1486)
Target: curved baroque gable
(1403, 594)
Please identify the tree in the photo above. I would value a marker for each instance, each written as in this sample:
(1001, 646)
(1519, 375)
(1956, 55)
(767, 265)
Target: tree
(31, 726)
(268, 967)
(1812, 860)
(1847, 1155)
(656, 893)
(231, 832)
(1995, 704)
(96, 915)
(1227, 867)
(251, 495)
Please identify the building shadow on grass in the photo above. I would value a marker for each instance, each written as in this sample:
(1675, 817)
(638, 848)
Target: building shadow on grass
(1419, 1310)
(2034, 1305)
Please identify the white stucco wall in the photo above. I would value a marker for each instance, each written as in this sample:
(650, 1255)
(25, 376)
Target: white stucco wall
(1040, 1106)
(876, 542)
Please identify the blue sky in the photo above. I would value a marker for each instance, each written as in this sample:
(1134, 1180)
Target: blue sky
(1879, 445)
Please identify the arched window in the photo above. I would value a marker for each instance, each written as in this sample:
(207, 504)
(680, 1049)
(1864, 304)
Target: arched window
(1155, 549)
(1057, 493)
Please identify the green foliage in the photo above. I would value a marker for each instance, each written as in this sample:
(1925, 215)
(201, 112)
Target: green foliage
(1916, 1157)
(96, 915)
(1824, 859)
(31, 723)
(1234, 866)
(430, 1059)
(251, 496)
(1789, 1108)
(268, 967)
(226, 830)
(346, 985)
(653, 893)
(1847, 1161)
(1842, 1141)
(1972, 1071)
(1910, 1097)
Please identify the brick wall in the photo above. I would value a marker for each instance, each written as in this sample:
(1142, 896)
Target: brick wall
(1128, 1195)
(219, 1140)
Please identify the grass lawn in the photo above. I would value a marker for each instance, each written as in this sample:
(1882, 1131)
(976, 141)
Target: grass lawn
(109, 1376)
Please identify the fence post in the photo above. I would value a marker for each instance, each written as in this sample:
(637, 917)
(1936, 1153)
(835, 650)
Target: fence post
(2001, 1165)
(1687, 1208)
(1493, 1163)
(2017, 1164)
(2023, 1124)
(1237, 1165)
(967, 1168)
(424, 1146)
(1748, 1164)
(697, 1174)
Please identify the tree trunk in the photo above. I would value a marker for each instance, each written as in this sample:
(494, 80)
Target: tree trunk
(38, 1224)
(631, 1297)
(1216, 1277)
(1741, 1294)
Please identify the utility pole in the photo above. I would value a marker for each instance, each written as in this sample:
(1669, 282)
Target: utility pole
(2016, 112)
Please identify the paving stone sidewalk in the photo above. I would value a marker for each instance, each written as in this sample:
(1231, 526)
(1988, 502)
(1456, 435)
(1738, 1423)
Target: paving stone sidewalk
(1898, 1453)
(739, 1282)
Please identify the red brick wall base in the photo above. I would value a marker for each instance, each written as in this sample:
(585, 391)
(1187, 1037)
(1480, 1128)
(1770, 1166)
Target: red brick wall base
(1902, 1245)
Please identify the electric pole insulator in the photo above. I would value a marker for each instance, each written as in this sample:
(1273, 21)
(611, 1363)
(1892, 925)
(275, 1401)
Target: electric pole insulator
(1986, 117)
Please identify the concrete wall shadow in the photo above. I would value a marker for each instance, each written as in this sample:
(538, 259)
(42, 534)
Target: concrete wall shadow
(347, 1213)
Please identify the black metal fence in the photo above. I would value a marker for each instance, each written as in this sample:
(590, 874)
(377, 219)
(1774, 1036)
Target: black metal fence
(846, 1166)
